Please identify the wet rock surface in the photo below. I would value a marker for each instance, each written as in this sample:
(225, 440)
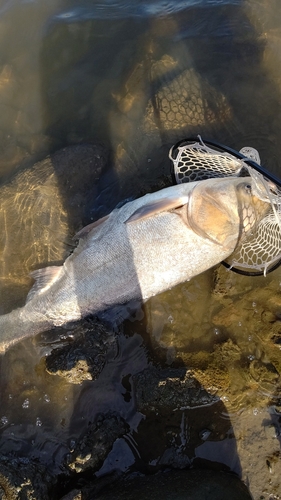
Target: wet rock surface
(21, 479)
(178, 485)
(84, 357)
(94, 446)
(170, 388)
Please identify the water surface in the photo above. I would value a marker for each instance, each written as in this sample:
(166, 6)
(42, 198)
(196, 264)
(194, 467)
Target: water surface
(136, 78)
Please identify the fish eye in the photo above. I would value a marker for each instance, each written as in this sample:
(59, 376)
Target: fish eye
(248, 188)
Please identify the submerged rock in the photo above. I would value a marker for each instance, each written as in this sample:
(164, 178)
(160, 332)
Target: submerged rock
(73, 495)
(83, 358)
(183, 422)
(178, 485)
(24, 479)
(169, 388)
(94, 446)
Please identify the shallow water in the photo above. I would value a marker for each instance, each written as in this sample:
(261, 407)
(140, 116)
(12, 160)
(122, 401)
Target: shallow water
(137, 77)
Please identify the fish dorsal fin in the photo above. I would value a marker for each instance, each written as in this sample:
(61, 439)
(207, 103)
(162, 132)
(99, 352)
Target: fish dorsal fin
(157, 207)
(44, 278)
(85, 230)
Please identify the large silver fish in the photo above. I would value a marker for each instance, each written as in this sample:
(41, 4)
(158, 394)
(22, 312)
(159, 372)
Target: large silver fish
(141, 249)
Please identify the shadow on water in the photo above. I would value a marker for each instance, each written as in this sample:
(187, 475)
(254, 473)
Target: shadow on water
(136, 85)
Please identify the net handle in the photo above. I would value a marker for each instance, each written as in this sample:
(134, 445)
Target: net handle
(229, 150)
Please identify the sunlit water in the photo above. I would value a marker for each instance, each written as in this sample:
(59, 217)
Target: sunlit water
(136, 77)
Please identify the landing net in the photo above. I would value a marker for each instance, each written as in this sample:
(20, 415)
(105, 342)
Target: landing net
(259, 250)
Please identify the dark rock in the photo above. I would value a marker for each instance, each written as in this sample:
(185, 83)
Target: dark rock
(84, 357)
(94, 446)
(22, 479)
(170, 388)
(178, 485)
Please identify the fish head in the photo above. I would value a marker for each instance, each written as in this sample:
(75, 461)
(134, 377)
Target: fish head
(224, 210)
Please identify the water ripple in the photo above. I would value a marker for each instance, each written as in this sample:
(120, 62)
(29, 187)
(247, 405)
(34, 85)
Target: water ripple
(125, 9)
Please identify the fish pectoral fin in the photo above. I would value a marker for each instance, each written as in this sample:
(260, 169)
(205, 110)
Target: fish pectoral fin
(44, 278)
(85, 230)
(154, 208)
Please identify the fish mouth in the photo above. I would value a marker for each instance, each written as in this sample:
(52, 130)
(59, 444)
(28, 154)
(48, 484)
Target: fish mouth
(251, 210)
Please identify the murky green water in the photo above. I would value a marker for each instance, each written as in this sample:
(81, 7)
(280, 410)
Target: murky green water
(133, 79)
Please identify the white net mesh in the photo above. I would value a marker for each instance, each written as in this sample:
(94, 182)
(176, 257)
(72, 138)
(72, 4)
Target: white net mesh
(198, 161)
(259, 247)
